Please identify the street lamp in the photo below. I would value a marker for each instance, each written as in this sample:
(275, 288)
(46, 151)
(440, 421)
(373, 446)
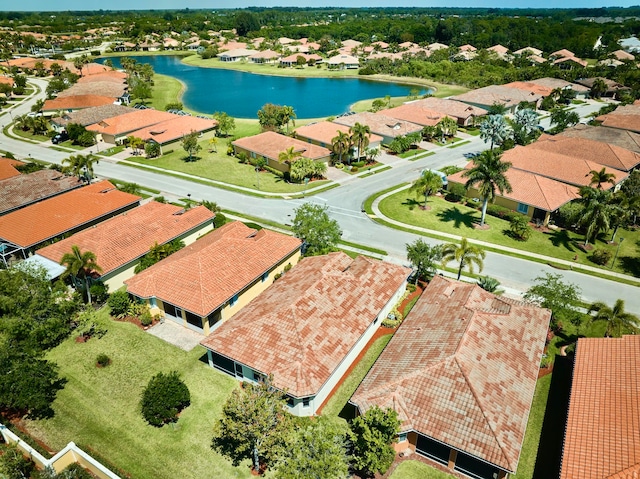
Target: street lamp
(613, 263)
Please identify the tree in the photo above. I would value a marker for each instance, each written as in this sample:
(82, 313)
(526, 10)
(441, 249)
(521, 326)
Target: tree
(341, 145)
(360, 135)
(190, 144)
(289, 156)
(423, 257)
(526, 124)
(316, 229)
(372, 435)
(141, 90)
(37, 106)
(428, 183)
(176, 105)
(226, 123)
(551, 292)
(136, 144)
(80, 62)
(274, 117)
(152, 149)
(449, 126)
(494, 129)
(131, 188)
(14, 465)
(80, 265)
(562, 119)
(163, 399)
(253, 424)
(465, 253)
(601, 176)
(618, 320)
(488, 177)
(306, 168)
(80, 166)
(157, 253)
(598, 88)
(488, 283)
(519, 227)
(597, 214)
(246, 22)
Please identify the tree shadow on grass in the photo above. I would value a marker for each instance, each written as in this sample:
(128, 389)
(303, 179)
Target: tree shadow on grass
(561, 238)
(458, 218)
(630, 265)
(411, 203)
(191, 159)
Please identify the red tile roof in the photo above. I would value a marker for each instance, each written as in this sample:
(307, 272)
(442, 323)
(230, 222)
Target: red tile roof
(174, 128)
(453, 108)
(204, 275)
(497, 94)
(602, 436)
(462, 369)
(415, 113)
(23, 190)
(76, 102)
(380, 124)
(325, 131)
(7, 168)
(530, 87)
(613, 136)
(110, 76)
(303, 326)
(270, 144)
(47, 219)
(135, 120)
(126, 237)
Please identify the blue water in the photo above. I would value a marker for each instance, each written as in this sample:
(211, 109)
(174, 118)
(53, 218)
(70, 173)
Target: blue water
(242, 94)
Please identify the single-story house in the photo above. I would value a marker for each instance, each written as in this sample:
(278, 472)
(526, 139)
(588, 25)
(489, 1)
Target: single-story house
(467, 48)
(613, 88)
(414, 112)
(23, 230)
(350, 43)
(533, 195)
(464, 113)
(543, 91)
(323, 132)
(385, 126)
(89, 116)
(116, 129)
(343, 61)
(113, 76)
(174, 129)
(461, 373)
(269, 145)
(500, 51)
(19, 190)
(99, 88)
(8, 170)
(235, 55)
(569, 63)
(7, 81)
(491, 95)
(206, 283)
(557, 83)
(624, 117)
(602, 437)
(309, 326)
(612, 136)
(528, 51)
(292, 60)
(121, 241)
(622, 56)
(434, 47)
(73, 103)
(265, 56)
(561, 54)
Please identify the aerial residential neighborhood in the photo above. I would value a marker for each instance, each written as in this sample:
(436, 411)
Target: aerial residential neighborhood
(320, 243)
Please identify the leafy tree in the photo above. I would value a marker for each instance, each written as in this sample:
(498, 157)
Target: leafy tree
(135, 143)
(13, 464)
(449, 126)
(119, 302)
(465, 253)
(80, 265)
(176, 105)
(306, 168)
(519, 227)
(551, 292)
(152, 149)
(428, 183)
(131, 188)
(488, 283)
(597, 213)
(141, 90)
(598, 88)
(488, 176)
(341, 145)
(253, 424)
(423, 257)
(163, 399)
(157, 253)
(316, 229)
(360, 135)
(601, 176)
(563, 119)
(617, 319)
(526, 124)
(246, 22)
(372, 435)
(37, 106)
(190, 144)
(226, 123)
(274, 117)
(494, 129)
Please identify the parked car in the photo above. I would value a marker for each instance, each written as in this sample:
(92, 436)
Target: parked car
(60, 137)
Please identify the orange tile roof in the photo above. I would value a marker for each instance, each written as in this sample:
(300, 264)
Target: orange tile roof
(174, 128)
(7, 168)
(126, 237)
(414, 113)
(325, 131)
(108, 76)
(613, 136)
(531, 189)
(135, 120)
(531, 87)
(567, 169)
(497, 94)
(453, 108)
(204, 275)
(270, 144)
(22, 190)
(380, 124)
(47, 219)
(302, 327)
(7, 81)
(76, 102)
(602, 435)
(99, 88)
(462, 369)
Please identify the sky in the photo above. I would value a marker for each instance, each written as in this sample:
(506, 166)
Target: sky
(61, 5)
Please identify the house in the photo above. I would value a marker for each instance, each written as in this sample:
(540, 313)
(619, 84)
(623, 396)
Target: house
(465, 114)
(115, 130)
(235, 55)
(115, 90)
(491, 95)
(414, 112)
(173, 130)
(206, 283)
(89, 116)
(113, 76)
(564, 53)
(269, 145)
(622, 56)
(613, 88)
(323, 132)
(500, 51)
(308, 327)
(350, 44)
(23, 230)
(558, 84)
(461, 372)
(612, 136)
(19, 190)
(8, 169)
(543, 91)
(292, 60)
(533, 195)
(121, 241)
(569, 63)
(624, 117)
(343, 61)
(528, 51)
(73, 103)
(386, 127)
(602, 437)
(265, 56)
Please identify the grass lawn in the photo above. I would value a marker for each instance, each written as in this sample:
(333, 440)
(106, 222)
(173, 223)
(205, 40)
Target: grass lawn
(459, 219)
(165, 90)
(98, 407)
(418, 470)
(411, 153)
(28, 135)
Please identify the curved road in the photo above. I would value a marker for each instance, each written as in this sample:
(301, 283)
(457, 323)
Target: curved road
(344, 205)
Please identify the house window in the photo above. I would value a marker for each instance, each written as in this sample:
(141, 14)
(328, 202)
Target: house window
(402, 437)
(305, 402)
(265, 276)
(253, 155)
(153, 302)
(234, 300)
(290, 401)
(522, 208)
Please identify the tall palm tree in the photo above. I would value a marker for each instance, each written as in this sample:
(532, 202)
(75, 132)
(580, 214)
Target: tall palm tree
(289, 116)
(466, 254)
(618, 320)
(598, 88)
(488, 176)
(360, 137)
(341, 145)
(289, 155)
(428, 183)
(81, 166)
(599, 177)
(80, 266)
(597, 213)
(449, 126)
(494, 129)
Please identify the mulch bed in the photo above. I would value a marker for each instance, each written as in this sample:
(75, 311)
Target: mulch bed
(136, 321)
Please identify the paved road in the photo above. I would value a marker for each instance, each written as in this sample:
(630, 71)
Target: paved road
(344, 205)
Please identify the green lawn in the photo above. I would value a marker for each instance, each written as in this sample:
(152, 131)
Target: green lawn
(418, 470)
(459, 219)
(28, 135)
(165, 90)
(98, 407)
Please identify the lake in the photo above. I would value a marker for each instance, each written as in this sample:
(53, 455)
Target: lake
(242, 94)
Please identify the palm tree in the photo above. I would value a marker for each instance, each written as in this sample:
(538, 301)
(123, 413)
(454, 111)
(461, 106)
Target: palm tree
(80, 266)
(131, 188)
(81, 165)
(598, 88)
(488, 174)
(341, 145)
(597, 213)
(428, 183)
(289, 156)
(527, 119)
(618, 320)
(494, 128)
(288, 116)
(599, 177)
(467, 254)
(449, 126)
(360, 137)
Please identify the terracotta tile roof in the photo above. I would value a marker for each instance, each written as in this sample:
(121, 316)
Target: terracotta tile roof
(303, 325)
(562, 53)
(453, 108)
(497, 94)
(7, 170)
(596, 151)
(113, 76)
(531, 50)
(500, 50)
(567, 169)
(531, 189)
(577, 60)
(266, 54)
(92, 69)
(294, 57)
(126, 237)
(204, 275)
(622, 55)
(346, 59)
(325, 131)
(558, 83)
(531, 87)
(135, 120)
(236, 52)
(380, 124)
(22, 190)
(99, 88)
(76, 102)
(602, 436)
(629, 122)
(174, 128)
(7, 81)
(613, 136)
(270, 144)
(231, 45)
(49, 218)
(462, 369)
(414, 113)
(89, 116)
(467, 48)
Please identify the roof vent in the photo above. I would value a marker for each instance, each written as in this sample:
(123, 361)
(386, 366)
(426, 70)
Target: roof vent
(179, 212)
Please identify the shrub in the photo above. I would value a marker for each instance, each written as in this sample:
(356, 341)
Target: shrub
(601, 256)
(287, 267)
(455, 192)
(13, 465)
(358, 164)
(354, 169)
(103, 360)
(488, 283)
(99, 292)
(219, 220)
(450, 170)
(163, 399)
(501, 212)
(145, 318)
(519, 226)
(152, 149)
(118, 302)
(242, 157)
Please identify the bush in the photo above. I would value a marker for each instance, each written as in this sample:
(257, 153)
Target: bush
(13, 465)
(145, 318)
(501, 212)
(219, 220)
(358, 164)
(242, 158)
(119, 303)
(450, 170)
(519, 227)
(455, 192)
(99, 292)
(601, 256)
(354, 169)
(163, 399)
(103, 360)
(152, 149)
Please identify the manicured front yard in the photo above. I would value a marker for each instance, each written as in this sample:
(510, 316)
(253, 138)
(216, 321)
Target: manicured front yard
(418, 470)
(99, 407)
